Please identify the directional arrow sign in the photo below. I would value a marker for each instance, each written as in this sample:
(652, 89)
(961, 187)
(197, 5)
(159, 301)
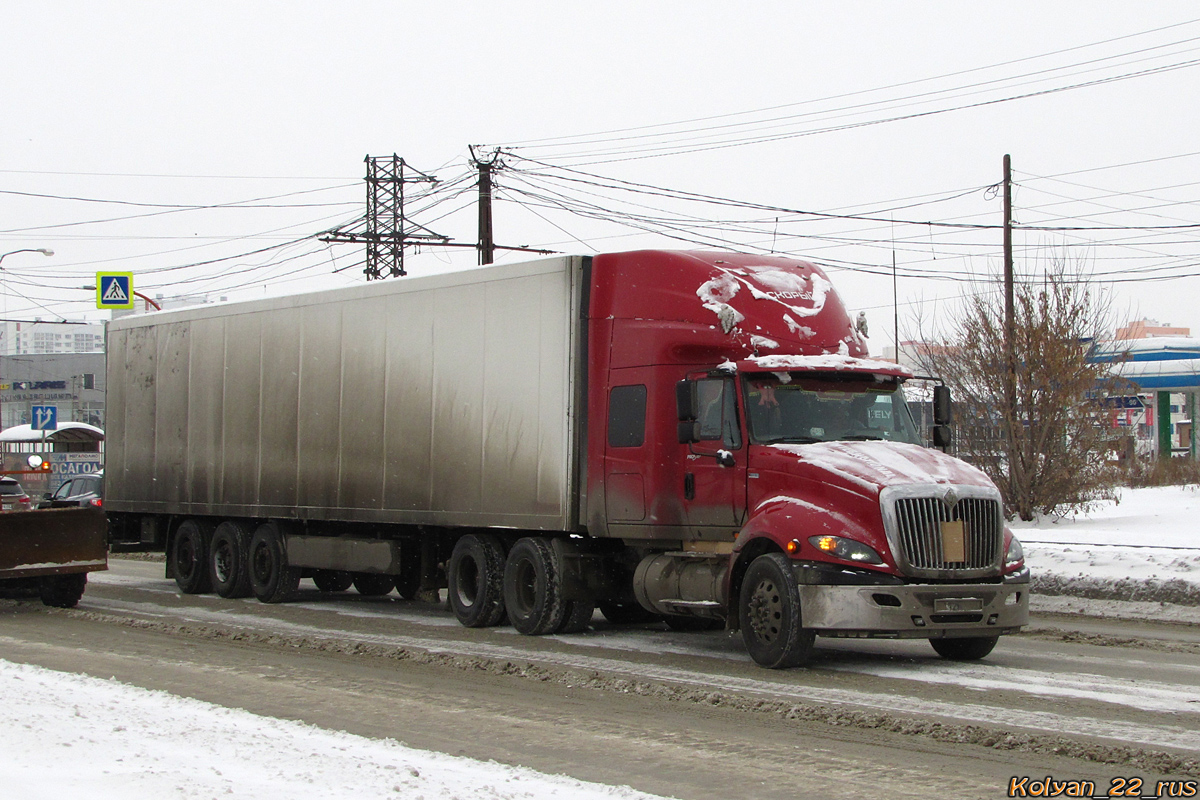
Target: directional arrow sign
(45, 418)
(114, 290)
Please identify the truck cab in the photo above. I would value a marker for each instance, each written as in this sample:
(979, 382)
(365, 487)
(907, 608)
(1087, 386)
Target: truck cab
(770, 474)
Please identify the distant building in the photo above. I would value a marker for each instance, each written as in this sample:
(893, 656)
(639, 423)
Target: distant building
(920, 357)
(1149, 329)
(43, 338)
(73, 383)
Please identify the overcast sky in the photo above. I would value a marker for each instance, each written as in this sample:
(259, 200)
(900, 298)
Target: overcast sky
(143, 111)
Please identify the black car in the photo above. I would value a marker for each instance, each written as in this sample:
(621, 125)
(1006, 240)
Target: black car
(82, 490)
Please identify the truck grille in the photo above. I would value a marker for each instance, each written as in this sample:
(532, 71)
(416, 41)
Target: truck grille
(919, 528)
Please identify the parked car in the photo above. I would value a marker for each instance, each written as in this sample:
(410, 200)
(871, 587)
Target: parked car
(82, 490)
(12, 495)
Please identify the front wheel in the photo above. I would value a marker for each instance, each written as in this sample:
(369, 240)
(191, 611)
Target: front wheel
(769, 612)
(970, 649)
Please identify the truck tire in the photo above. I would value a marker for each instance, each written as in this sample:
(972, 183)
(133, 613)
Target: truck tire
(63, 591)
(475, 576)
(769, 612)
(373, 584)
(531, 588)
(228, 560)
(333, 580)
(189, 556)
(970, 649)
(578, 617)
(271, 578)
(408, 582)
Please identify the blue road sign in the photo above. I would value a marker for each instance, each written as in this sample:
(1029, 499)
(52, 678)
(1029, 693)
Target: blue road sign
(114, 290)
(45, 418)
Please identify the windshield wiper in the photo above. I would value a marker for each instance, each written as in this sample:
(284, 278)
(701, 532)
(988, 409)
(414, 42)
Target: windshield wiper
(794, 440)
(862, 437)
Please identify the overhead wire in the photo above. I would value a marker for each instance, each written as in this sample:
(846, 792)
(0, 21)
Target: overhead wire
(709, 118)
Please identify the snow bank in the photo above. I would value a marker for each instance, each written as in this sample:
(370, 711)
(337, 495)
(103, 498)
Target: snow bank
(1145, 547)
(67, 735)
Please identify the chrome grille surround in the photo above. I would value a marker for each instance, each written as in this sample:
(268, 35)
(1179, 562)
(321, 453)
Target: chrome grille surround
(912, 517)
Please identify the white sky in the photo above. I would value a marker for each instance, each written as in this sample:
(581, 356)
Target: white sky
(225, 102)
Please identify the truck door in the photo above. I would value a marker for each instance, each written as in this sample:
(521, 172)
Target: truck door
(627, 452)
(714, 472)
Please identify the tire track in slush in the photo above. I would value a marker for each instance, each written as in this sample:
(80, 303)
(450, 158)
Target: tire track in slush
(1164, 736)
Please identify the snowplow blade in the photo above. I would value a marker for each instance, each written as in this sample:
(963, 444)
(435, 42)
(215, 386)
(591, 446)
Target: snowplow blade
(53, 542)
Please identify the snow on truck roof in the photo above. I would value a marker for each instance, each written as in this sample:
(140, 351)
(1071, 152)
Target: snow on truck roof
(840, 363)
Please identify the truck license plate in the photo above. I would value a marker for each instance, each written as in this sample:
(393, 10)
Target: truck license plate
(950, 605)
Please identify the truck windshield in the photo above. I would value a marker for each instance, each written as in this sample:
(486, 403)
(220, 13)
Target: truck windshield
(800, 408)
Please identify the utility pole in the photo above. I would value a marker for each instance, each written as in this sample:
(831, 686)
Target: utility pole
(1015, 465)
(487, 245)
(386, 230)
(1010, 326)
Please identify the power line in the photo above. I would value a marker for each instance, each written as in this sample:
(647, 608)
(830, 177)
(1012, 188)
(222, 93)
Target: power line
(710, 118)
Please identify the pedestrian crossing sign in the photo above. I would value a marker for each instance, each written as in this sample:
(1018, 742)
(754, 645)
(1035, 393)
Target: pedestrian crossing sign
(114, 290)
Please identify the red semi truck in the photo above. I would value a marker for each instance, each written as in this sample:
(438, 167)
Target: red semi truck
(699, 436)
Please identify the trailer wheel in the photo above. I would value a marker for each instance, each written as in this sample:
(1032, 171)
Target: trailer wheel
(531, 588)
(271, 578)
(475, 576)
(333, 580)
(189, 556)
(769, 611)
(408, 582)
(63, 591)
(372, 584)
(229, 556)
(970, 649)
(627, 613)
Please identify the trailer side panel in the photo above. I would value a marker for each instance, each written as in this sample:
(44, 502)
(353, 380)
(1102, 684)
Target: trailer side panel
(445, 400)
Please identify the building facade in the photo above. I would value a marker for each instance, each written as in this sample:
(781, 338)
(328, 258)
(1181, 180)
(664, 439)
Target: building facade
(44, 338)
(73, 383)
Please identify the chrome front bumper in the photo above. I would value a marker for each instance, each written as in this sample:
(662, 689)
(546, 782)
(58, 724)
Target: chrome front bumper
(913, 611)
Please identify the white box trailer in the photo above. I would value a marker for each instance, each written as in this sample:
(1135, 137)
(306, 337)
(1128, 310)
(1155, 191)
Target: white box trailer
(448, 400)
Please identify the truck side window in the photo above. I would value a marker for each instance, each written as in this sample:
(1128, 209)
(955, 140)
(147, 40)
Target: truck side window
(627, 416)
(718, 412)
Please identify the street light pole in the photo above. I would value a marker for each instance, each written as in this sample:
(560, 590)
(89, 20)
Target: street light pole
(43, 250)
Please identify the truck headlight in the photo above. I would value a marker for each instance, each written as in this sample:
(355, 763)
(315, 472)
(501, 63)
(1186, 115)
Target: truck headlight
(845, 549)
(1015, 555)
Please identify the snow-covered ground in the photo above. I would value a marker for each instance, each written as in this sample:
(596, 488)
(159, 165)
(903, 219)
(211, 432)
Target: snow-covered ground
(65, 735)
(69, 735)
(1137, 558)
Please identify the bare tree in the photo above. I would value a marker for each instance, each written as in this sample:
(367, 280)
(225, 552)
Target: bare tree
(1050, 451)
